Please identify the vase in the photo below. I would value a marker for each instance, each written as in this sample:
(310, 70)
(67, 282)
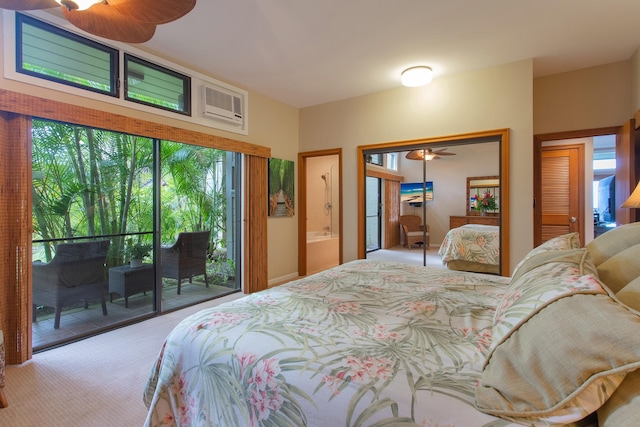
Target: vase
(482, 213)
(135, 263)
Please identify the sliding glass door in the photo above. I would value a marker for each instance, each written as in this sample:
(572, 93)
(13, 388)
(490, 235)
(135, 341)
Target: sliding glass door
(126, 227)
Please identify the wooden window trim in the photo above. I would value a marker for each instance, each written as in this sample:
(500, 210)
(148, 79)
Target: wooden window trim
(16, 110)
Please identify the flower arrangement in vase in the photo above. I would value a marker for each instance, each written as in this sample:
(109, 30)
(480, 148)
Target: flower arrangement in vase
(485, 202)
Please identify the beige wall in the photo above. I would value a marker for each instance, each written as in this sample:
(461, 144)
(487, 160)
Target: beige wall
(271, 124)
(493, 98)
(635, 81)
(583, 99)
(506, 96)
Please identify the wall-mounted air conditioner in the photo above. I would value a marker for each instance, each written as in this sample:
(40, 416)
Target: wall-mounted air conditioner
(220, 103)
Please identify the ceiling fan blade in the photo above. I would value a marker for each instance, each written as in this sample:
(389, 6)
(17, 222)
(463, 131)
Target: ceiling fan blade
(440, 153)
(27, 4)
(416, 154)
(105, 21)
(153, 11)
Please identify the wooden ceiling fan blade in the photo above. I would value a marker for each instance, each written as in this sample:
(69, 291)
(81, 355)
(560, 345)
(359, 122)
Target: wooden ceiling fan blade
(440, 153)
(153, 11)
(105, 21)
(27, 4)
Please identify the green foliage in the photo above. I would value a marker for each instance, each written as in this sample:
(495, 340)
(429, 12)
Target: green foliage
(92, 182)
(138, 250)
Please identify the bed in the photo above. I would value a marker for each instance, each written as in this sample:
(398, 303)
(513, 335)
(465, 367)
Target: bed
(373, 343)
(472, 247)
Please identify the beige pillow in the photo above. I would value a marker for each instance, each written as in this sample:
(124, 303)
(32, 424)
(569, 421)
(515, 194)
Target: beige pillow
(630, 294)
(623, 407)
(563, 362)
(621, 268)
(566, 241)
(579, 257)
(613, 241)
(543, 278)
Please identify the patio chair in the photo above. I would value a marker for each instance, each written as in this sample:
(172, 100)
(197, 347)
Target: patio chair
(412, 228)
(187, 257)
(75, 274)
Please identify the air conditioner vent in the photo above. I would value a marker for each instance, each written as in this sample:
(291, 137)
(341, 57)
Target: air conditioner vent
(222, 104)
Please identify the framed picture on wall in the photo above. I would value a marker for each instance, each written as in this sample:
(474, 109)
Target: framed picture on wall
(281, 191)
(411, 192)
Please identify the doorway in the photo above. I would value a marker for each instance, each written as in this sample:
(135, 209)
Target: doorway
(602, 143)
(320, 210)
(374, 213)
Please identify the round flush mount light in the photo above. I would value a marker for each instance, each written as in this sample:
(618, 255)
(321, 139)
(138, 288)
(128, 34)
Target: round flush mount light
(417, 76)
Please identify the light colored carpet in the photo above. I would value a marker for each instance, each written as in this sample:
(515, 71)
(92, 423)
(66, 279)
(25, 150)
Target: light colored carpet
(98, 381)
(409, 256)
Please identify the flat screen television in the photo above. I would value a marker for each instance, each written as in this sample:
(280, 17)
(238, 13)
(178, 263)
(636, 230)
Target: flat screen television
(607, 199)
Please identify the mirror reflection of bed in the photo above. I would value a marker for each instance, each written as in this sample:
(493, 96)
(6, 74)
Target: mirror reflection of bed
(448, 202)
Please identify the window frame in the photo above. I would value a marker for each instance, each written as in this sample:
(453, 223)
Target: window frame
(186, 84)
(114, 56)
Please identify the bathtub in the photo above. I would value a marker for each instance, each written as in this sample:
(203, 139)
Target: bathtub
(323, 251)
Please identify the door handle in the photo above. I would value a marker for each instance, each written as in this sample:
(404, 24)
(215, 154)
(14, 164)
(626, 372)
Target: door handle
(572, 219)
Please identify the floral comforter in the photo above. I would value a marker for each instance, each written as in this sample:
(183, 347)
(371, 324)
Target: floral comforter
(472, 242)
(368, 343)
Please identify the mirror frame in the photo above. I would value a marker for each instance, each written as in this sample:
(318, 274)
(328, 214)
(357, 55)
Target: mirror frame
(501, 135)
(492, 181)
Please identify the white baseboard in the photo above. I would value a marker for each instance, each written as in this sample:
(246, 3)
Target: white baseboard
(282, 279)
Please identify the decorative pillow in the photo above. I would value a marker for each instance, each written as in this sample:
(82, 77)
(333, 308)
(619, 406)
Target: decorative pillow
(621, 268)
(623, 407)
(613, 241)
(630, 294)
(564, 359)
(543, 278)
(566, 241)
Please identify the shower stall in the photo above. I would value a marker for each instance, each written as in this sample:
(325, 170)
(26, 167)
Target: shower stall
(323, 250)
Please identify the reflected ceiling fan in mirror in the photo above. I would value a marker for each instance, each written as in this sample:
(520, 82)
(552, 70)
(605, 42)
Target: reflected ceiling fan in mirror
(129, 21)
(427, 154)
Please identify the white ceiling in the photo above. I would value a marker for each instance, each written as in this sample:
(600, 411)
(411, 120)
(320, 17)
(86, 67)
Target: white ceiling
(305, 52)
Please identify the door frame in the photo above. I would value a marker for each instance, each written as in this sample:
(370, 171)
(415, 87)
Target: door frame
(538, 140)
(501, 135)
(302, 205)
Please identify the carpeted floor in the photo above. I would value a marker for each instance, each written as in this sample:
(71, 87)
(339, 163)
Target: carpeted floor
(99, 381)
(94, 382)
(408, 256)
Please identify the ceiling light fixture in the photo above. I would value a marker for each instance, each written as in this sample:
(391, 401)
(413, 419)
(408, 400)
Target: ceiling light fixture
(417, 76)
(78, 4)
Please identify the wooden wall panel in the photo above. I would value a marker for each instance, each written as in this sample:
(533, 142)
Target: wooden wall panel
(392, 214)
(15, 236)
(256, 211)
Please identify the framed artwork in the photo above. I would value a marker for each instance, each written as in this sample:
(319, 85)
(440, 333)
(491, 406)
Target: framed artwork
(411, 192)
(281, 191)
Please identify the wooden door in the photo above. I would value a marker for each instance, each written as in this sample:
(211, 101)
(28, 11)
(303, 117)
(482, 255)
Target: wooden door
(561, 194)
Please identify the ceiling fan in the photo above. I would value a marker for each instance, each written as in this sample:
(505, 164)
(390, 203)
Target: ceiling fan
(129, 21)
(427, 154)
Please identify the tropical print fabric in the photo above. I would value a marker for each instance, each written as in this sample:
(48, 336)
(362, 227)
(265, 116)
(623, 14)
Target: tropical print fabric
(472, 242)
(368, 343)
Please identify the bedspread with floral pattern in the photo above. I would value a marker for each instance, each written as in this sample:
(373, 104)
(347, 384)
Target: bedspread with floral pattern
(368, 343)
(472, 242)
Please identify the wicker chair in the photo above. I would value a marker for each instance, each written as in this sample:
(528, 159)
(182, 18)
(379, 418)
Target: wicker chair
(75, 274)
(412, 230)
(187, 257)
